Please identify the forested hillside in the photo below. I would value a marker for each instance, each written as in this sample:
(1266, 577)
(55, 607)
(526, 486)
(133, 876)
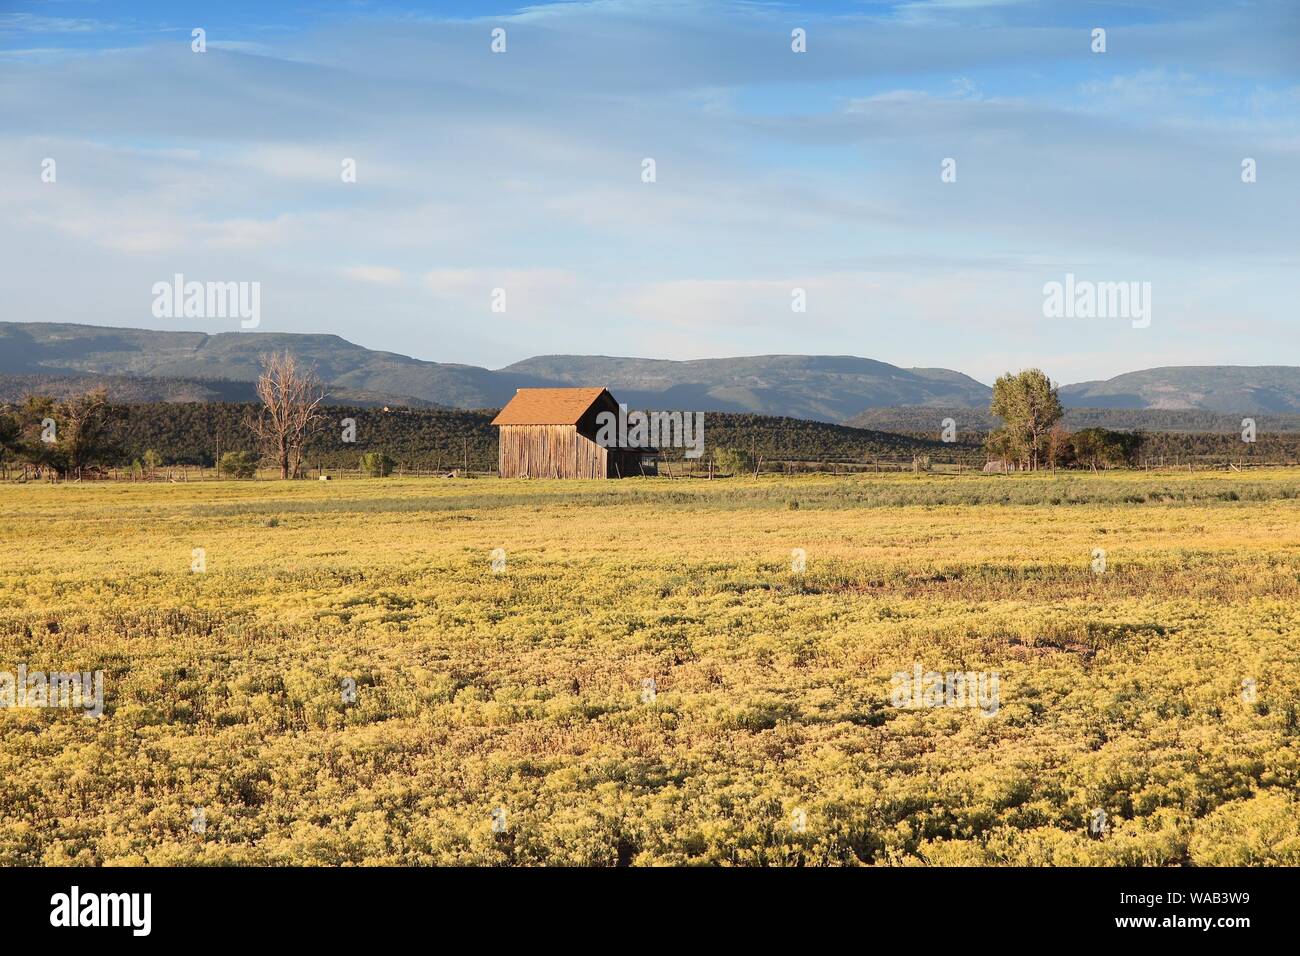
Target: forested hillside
(449, 438)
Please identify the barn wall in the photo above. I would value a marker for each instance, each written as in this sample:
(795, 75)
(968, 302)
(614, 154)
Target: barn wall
(548, 451)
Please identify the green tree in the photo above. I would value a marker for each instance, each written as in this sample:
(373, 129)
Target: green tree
(733, 461)
(376, 464)
(1029, 407)
(151, 461)
(238, 464)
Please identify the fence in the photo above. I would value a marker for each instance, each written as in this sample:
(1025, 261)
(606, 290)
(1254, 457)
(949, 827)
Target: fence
(669, 467)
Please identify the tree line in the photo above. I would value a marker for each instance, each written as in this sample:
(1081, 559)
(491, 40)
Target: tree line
(293, 430)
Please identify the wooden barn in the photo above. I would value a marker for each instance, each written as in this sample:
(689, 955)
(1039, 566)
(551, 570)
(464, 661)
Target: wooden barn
(551, 433)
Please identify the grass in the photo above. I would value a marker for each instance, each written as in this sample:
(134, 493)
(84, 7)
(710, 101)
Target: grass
(525, 690)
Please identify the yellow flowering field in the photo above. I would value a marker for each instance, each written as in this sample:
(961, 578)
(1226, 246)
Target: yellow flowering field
(477, 671)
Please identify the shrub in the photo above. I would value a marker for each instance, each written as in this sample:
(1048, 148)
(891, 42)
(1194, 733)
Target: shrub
(732, 461)
(238, 464)
(376, 464)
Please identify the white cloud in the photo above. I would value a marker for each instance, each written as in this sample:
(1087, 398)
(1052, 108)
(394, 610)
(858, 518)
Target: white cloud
(380, 274)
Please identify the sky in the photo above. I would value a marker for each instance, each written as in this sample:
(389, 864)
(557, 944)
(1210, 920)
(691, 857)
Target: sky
(774, 170)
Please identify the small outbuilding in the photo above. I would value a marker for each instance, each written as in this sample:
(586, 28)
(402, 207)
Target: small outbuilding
(551, 433)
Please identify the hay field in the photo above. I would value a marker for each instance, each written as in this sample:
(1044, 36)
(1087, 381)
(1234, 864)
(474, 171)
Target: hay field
(507, 717)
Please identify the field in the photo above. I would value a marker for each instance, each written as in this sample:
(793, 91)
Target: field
(1148, 707)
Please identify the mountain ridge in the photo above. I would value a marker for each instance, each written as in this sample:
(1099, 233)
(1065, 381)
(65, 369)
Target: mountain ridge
(1217, 388)
(831, 388)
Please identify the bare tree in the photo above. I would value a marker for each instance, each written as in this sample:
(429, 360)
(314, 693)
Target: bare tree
(291, 399)
(85, 430)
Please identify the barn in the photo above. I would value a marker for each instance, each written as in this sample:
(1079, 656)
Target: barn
(551, 433)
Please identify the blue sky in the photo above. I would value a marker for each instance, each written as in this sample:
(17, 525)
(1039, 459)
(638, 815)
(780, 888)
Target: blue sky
(775, 170)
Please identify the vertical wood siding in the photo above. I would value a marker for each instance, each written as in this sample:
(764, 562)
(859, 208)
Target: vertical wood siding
(549, 451)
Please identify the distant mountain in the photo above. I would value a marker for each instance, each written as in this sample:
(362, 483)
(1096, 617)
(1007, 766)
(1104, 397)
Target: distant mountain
(1215, 388)
(812, 387)
(123, 389)
(138, 390)
(819, 387)
(62, 348)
